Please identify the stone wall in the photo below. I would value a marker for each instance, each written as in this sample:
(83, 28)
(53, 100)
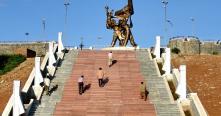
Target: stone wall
(26, 49)
(192, 45)
(210, 47)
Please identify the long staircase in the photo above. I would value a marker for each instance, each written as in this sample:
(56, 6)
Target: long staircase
(120, 95)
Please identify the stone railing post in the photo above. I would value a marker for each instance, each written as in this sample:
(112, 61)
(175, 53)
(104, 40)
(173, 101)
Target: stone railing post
(91, 48)
(181, 89)
(167, 62)
(60, 44)
(157, 47)
(18, 107)
(38, 78)
(51, 60)
(38, 75)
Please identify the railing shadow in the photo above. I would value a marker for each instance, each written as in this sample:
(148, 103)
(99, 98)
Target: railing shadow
(105, 81)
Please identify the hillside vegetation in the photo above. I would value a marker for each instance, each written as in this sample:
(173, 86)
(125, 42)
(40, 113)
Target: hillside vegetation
(9, 62)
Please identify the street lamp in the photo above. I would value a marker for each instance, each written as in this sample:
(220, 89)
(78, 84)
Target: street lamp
(165, 2)
(43, 24)
(66, 4)
(27, 35)
(43, 27)
(192, 20)
(98, 41)
(171, 25)
(81, 44)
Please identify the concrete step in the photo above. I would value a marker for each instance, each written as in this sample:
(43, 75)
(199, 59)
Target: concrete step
(158, 92)
(122, 87)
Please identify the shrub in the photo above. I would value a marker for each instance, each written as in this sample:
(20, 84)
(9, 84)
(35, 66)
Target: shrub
(215, 53)
(175, 50)
(9, 62)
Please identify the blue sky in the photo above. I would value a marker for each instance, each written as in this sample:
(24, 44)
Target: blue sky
(86, 19)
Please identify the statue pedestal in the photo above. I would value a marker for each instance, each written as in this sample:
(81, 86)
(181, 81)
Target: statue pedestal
(119, 48)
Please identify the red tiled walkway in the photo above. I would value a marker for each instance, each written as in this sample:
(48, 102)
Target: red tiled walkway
(119, 97)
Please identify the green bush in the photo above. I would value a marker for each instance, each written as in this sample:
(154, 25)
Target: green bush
(215, 53)
(9, 62)
(175, 50)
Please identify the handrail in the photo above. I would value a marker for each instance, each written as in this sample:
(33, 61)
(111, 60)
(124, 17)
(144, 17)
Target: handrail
(29, 83)
(196, 105)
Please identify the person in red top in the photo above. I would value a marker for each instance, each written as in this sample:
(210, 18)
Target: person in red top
(100, 76)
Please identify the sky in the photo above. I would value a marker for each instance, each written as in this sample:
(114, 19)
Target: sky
(86, 20)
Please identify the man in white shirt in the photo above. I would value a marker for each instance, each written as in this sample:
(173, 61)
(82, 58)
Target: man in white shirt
(110, 58)
(81, 84)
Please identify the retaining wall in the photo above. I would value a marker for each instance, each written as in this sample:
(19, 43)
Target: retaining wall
(27, 49)
(192, 45)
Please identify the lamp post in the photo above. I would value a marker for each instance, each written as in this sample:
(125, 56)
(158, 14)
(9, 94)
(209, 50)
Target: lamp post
(171, 25)
(27, 35)
(165, 2)
(81, 44)
(66, 4)
(192, 20)
(44, 27)
(65, 33)
(43, 24)
(98, 39)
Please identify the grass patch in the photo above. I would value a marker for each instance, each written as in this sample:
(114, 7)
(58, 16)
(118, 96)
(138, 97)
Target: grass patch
(9, 62)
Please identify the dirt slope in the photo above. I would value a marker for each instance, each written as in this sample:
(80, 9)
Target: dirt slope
(19, 73)
(204, 77)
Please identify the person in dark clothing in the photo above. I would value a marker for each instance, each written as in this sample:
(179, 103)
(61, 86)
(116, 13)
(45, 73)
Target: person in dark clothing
(81, 84)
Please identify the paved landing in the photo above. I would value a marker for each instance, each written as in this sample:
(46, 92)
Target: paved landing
(119, 97)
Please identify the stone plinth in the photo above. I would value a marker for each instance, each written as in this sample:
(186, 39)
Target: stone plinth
(119, 48)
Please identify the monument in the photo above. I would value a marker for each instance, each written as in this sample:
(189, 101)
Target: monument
(121, 23)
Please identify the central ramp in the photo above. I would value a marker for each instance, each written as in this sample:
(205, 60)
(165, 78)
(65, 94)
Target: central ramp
(119, 97)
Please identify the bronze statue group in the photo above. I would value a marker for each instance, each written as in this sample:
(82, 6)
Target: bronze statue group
(121, 23)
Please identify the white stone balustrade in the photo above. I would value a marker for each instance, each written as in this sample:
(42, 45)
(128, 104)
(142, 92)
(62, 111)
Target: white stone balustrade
(181, 88)
(51, 60)
(75, 47)
(18, 108)
(36, 72)
(167, 62)
(138, 47)
(196, 105)
(91, 48)
(38, 76)
(60, 44)
(157, 47)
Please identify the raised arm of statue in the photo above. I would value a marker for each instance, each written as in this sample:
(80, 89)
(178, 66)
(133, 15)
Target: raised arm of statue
(106, 8)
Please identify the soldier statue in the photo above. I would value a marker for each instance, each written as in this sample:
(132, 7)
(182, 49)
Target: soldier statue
(122, 31)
